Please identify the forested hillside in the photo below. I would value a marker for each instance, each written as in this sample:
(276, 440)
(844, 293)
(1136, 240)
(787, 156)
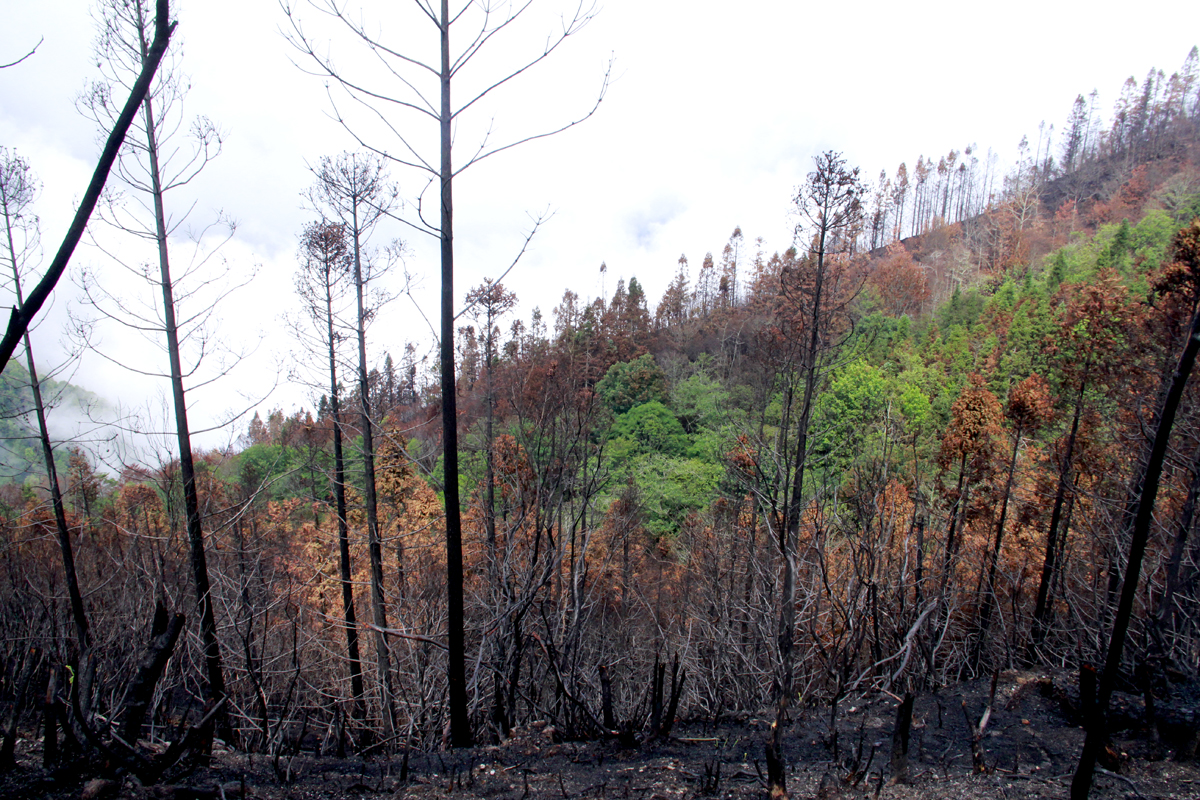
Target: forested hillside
(18, 431)
(905, 452)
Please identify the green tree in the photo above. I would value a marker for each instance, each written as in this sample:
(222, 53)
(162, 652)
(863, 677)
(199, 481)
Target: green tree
(630, 383)
(672, 488)
(700, 402)
(650, 428)
(847, 414)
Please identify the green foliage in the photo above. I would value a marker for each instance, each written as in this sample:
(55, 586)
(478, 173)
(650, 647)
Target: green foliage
(671, 488)
(1005, 298)
(647, 428)
(876, 333)
(1116, 252)
(1151, 238)
(631, 383)
(847, 416)
(268, 468)
(700, 402)
(915, 409)
(1058, 269)
(963, 308)
(1023, 352)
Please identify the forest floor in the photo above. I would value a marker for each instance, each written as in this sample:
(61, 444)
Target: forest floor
(1030, 748)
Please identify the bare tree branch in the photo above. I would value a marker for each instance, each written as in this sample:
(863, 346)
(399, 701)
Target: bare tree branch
(599, 99)
(538, 221)
(27, 55)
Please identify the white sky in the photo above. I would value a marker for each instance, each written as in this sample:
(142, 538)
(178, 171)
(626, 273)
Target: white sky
(711, 120)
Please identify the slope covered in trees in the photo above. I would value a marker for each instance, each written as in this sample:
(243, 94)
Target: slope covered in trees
(902, 453)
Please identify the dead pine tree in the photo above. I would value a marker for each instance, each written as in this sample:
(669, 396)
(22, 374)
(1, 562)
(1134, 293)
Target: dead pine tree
(811, 324)
(18, 188)
(163, 155)
(354, 189)
(321, 284)
(414, 84)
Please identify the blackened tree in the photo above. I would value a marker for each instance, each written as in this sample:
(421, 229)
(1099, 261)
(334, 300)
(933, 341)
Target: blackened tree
(421, 86)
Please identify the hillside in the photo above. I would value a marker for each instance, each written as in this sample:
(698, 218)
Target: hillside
(20, 451)
(906, 456)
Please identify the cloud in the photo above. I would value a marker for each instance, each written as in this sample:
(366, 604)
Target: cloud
(645, 223)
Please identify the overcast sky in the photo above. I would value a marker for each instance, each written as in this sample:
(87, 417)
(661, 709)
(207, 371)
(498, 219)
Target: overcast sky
(711, 119)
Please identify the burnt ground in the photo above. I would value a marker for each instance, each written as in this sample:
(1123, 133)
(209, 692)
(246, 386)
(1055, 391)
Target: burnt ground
(1030, 748)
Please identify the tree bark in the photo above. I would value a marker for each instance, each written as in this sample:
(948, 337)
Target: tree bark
(900, 737)
(460, 722)
(199, 563)
(150, 668)
(357, 692)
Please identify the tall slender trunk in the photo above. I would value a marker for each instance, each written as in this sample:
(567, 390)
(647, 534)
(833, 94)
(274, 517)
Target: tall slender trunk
(989, 588)
(500, 599)
(195, 530)
(460, 722)
(358, 709)
(374, 545)
(789, 537)
(78, 614)
(1045, 596)
(489, 499)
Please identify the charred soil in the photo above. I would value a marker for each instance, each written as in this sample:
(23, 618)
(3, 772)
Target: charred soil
(1028, 748)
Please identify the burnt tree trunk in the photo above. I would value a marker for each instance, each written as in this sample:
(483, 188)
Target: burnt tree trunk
(153, 660)
(187, 470)
(1097, 734)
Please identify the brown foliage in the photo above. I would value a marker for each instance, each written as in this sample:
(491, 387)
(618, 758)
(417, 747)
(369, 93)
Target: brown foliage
(974, 424)
(901, 283)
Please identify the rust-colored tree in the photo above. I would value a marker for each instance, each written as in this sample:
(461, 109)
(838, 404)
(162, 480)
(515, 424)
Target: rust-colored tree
(969, 443)
(901, 283)
(1029, 409)
(1182, 277)
(1093, 327)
